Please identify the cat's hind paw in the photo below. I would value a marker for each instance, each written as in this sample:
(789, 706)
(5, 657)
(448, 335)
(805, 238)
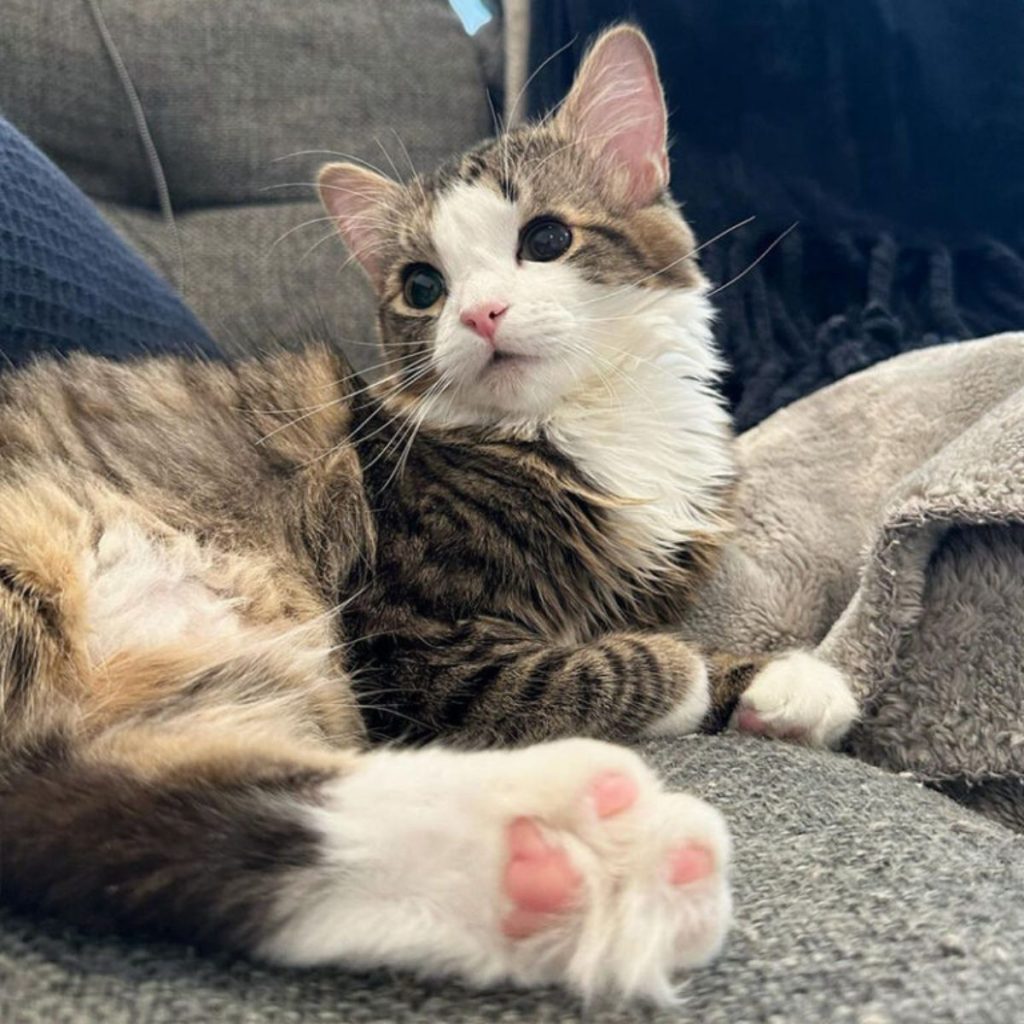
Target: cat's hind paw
(620, 886)
(563, 863)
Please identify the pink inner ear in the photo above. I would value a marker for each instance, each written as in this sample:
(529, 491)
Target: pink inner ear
(356, 199)
(617, 108)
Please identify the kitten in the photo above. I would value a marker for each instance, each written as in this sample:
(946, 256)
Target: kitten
(220, 584)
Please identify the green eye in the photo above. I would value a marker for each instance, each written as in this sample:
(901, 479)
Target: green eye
(423, 285)
(544, 240)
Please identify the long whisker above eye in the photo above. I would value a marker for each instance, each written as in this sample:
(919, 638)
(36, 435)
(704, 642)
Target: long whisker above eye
(366, 250)
(387, 156)
(315, 185)
(291, 231)
(512, 110)
(316, 245)
(499, 127)
(668, 266)
(328, 152)
(380, 222)
(412, 167)
(748, 269)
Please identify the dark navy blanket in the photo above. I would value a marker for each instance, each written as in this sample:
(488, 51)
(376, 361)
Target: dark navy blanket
(891, 133)
(67, 281)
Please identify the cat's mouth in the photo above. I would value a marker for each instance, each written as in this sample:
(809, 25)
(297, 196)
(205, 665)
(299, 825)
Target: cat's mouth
(504, 356)
(502, 359)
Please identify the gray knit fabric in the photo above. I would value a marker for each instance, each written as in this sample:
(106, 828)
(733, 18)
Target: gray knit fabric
(258, 278)
(861, 897)
(883, 520)
(232, 89)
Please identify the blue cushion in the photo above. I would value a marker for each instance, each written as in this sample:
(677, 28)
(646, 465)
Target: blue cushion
(67, 281)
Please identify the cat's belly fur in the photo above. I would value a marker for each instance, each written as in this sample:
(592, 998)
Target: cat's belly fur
(143, 523)
(148, 617)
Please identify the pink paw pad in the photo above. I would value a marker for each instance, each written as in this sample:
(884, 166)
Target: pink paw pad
(748, 720)
(539, 879)
(612, 794)
(690, 863)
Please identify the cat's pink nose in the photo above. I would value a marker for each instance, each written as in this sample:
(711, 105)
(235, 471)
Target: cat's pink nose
(484, 318)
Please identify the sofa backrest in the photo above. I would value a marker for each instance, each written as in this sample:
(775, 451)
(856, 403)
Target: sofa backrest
(232, 88)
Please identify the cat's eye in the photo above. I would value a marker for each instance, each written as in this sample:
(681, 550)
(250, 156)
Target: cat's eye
(544, 240)
(423, 286)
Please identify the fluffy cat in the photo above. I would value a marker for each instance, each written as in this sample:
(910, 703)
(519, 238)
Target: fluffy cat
(221, 585)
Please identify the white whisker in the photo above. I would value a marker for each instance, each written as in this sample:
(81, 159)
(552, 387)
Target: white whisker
(749, 268)
(668, 266)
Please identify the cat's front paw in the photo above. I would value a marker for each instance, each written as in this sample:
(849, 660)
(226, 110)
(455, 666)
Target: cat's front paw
(798, 697)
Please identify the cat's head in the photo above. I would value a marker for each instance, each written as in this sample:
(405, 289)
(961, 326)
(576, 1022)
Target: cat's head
(541, 264)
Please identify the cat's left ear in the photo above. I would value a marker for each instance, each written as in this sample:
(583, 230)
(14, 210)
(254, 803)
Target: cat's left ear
(616, 109)
(360, 201)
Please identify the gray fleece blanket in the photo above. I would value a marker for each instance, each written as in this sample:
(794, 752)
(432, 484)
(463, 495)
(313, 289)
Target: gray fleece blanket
(882, 523)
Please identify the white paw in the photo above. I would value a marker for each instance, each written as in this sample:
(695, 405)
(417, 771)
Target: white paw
(687, 715)
(798, 697)
(562, 863)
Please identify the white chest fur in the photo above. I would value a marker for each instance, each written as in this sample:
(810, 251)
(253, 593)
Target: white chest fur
(654, 433)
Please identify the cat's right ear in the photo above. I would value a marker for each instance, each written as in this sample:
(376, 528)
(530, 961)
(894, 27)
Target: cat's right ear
(616, 109)
(360, 201)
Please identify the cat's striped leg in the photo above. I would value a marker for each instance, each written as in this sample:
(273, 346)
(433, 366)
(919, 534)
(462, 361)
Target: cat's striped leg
(562, 863)
(495, 684)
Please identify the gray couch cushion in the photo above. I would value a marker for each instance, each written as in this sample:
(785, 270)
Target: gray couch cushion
(261, 274)
(861, 898)
(230, 86)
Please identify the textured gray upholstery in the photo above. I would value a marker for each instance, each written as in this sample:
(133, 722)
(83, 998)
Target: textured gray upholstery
(861, 898)
(229, 87)
(257, 278)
